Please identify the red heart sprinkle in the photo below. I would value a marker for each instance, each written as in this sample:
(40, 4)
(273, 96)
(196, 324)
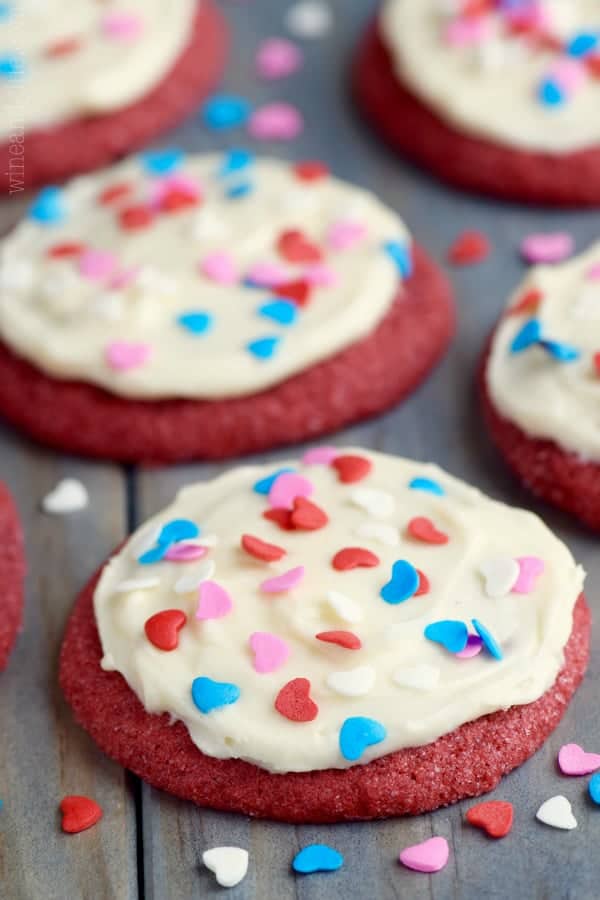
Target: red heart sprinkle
(175, 200)
(63, 48)
(281, 517)
(354, 558)
(346, 639)
(261, 550)
(133, 217)
(114, 192)
(352, 468)
(308, 516)
(66, 250)
(469, 247)
(295, 247)
(423, 584)
(597, 362)
(79, 813)
(296, 291)
(311, 170)
(494, 816)
(424, 530)
(529, 303)
(162, 629)
(294, 702)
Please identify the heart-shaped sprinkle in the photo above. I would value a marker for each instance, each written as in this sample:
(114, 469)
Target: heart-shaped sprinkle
(225, 111)
(500, 574)
(162, 162)
(494, 816)
(284, 312)
(192, 580)
(296, 291)
(267, 274)
(178, 530)
(573, 760)
(594, 789)
(220, 267)
(276, 122)
(529, 303)
(79, 813)
(196, 322)
(286, 488)
(419, 678)
(468, 248)
(265, 484)
(162, 629)
(208, 694)
(429, 856)
(530, 569)
(345, 234)
(264, 348)
(129, 585)
(452, 635)
(96, 265)
(295, 247)
(69, 495)
(66, 250)
(229, 864)
(347, 609)
(307, 516)
(354, 558)
(261, 549)
(547, 248)
(285, 582)
(311, 170)
(123, 26)
(560, 351)
(49, 207)
(270, 652)
(122, 356)
(351, 468)
(186, 551)
(403, 584)
(473, 648)
(489, 641)
(320, 456)
(281, 517)
(294, 702)
(401, 256)
(317, 858)
(353, 682)
(423, 529)
(277, 58)
(558, 813)
(345, 639)
(135, 218)
(386, 534)
(214, 602)
(114, 192)
(379, 504)
(428, 485)
(528, 336)
(358, 733)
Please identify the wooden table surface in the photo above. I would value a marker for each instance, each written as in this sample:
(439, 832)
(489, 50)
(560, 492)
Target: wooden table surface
(149, 844)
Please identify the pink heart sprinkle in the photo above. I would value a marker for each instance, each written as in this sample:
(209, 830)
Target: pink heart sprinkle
(320, 456)
(573, 760)
(531, 567)
(97, 265)
(593, 274)
(266, 274)
(277, 58)
(122, 355)
(123, 26)
(430, 856)
(276, 122)
(270, 652)
(214, 601)
(343, 235)
(474, 646)
(183, 184)
(285, 582)
(286, 488)
(467, 31)
(185, 552)
(547, 248)
(320, 275)
(220, 267)
(570, 74)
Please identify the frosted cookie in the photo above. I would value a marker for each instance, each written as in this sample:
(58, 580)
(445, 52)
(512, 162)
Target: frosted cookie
(173, 307)
(495, 96)
(12, 573)
(84, 83)
(541, 384)
(348, 636)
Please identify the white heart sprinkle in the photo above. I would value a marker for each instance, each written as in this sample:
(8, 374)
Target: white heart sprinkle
(229, 864)
(378, 504)
(557, 812)
(137, 584)
(346, 608)
(68, 496)
(500, 573)
(376, 531)
(192, 580)
(420, 678)
(309, 19)
(353, 682)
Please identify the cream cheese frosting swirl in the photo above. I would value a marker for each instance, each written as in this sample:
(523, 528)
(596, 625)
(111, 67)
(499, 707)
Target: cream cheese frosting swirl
(308, 615)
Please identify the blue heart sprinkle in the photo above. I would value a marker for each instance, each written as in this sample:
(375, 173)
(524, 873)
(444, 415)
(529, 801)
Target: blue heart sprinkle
(550, 93)
(358, 733)
(583, 44)
(11, 66)
(529, 335)
(317, 858)
(400, 254)
(264, 348)
(178, 530)
(561, 352)
(594, 788)
(208, 694)
(225, 111)
(282, 311)
(427, 484)
(196, 322)
(235, 161)
(239, 190)
(449, 633)
(489, 641)
(403, 583)
(265, 484)
(48, 207)
(162, 162)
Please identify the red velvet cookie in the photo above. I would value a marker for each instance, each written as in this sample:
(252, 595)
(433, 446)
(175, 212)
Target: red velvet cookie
(12, 573)
(57, 152)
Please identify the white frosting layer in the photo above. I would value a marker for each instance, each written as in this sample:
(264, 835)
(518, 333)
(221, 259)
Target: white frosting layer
(548, 398)
(490, 86)
(416, 689)
(86, 58)
(65, 322)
